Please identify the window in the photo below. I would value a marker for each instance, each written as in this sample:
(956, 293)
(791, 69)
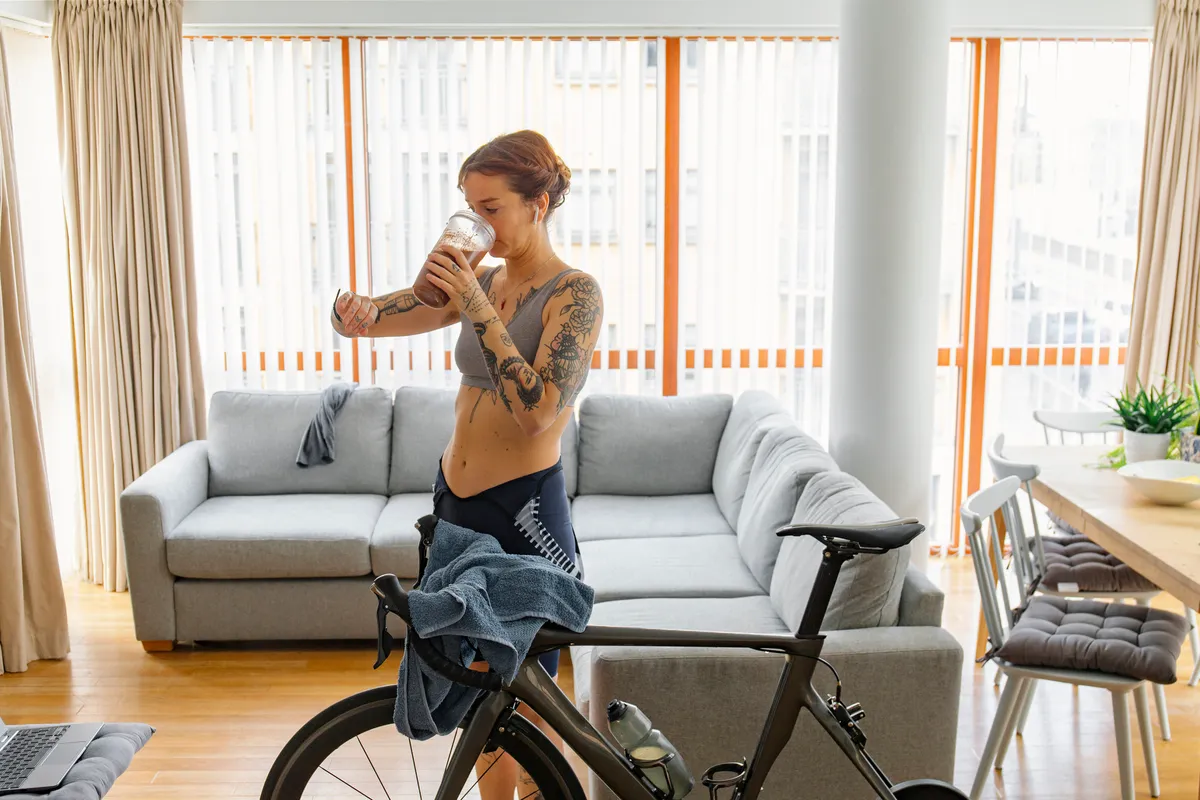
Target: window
(591, 61)
(1068, 179)
(270, 211)
(598, 217)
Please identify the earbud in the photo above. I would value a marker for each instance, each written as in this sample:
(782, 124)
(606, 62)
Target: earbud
(537, 216)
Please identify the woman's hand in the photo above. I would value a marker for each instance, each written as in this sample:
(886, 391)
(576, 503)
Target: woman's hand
(353, 314)
(450, 272)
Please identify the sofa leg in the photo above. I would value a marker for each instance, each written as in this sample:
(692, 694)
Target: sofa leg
(158, 647)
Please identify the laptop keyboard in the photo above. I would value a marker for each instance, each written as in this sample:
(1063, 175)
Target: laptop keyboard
(24, 752)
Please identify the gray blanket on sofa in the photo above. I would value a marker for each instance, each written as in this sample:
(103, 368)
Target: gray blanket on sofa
(476, 600)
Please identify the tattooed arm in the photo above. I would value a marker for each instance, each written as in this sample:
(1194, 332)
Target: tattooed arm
(535, 394)
(394, 314)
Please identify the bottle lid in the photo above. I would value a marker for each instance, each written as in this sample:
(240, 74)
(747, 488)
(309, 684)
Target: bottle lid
(616, 710)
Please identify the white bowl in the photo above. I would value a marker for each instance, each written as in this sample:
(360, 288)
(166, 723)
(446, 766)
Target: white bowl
(1159, 481)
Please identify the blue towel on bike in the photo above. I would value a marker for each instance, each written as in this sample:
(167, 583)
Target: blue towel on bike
(476, 600)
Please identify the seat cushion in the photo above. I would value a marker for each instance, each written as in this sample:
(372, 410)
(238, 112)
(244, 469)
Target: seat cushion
(691, 566)
(276, 536)
(1077, 564)
(786, 461)
(638, 445)
(1119, 639)
(868, 588)
(607, 516)
(254, 437)
(753, 414)
(725, 614)
(395, 538)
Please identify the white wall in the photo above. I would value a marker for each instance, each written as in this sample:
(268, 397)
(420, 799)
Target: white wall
(664, 17)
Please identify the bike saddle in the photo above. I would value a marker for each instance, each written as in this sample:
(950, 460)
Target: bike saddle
(880, 536)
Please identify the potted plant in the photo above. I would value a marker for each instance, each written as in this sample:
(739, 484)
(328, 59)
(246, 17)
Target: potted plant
(1149, 418)
(1189, 445)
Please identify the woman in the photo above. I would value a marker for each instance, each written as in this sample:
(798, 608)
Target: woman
(528, 331)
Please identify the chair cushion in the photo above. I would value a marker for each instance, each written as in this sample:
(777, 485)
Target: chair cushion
(753, 414)
(1119, 639)
(276, 536)
(868, 588)
(254, 436)
(692, 566)
(650, 445)
(1080, 561)
(395, 538)
(786, 461)
(422, 423)
(608, 516)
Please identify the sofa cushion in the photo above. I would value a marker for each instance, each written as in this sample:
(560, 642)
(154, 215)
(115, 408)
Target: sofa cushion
(423, 422)
(692, 566)
(785, 463)
(867, 593)
(1132, 641)
(650, 445)
(611, 516)
(276, 536)
(254, 436)
(753, 414)
(395, 538)
(727, 614)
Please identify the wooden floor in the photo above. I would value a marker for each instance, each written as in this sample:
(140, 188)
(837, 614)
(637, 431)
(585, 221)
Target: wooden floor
(222, 714)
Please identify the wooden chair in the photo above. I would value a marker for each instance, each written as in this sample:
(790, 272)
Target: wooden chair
(1092, 426)
(1011, 614)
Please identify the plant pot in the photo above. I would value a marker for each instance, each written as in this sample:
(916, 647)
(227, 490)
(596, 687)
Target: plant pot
(1189, 447)
(1146, 446)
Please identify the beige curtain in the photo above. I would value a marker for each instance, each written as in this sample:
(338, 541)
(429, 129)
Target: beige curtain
(33, 611)
(119, 86)
(1164, 337)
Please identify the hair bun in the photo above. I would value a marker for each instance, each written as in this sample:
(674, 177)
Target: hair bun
(528, 161)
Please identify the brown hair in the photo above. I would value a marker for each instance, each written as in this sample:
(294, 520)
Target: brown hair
(528, 161)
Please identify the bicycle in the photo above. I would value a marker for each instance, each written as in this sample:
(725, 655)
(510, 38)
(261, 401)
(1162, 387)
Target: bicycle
(494, 721)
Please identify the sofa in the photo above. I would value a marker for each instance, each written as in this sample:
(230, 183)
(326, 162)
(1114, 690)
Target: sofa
(675, 503)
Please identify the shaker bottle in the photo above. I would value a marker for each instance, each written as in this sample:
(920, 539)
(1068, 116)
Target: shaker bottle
(471, 234)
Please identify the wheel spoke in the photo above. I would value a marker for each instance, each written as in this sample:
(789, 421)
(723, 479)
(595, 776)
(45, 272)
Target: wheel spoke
(477, 780)
(372, 763)
(355, 788)
(416, 774)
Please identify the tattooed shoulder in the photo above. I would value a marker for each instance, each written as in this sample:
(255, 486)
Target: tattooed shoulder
(569, 351)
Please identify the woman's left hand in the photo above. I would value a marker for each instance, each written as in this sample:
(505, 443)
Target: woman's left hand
(450, 272)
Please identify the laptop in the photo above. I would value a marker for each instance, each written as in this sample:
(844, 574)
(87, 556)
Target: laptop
(37, 757)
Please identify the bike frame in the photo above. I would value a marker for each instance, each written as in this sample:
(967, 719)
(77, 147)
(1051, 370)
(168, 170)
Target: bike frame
(534, 687)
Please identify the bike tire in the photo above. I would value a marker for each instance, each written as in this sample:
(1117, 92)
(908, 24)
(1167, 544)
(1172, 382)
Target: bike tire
(368, 710)
(927, 789)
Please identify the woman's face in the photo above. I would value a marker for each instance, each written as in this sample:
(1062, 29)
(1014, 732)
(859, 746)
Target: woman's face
(506, 211)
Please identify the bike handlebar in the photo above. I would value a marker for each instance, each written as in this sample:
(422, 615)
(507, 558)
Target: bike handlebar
(389, 589)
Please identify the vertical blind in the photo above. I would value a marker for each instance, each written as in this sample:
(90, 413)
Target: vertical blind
(268, 159)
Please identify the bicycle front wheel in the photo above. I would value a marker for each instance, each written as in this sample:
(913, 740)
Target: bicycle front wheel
(353, 750)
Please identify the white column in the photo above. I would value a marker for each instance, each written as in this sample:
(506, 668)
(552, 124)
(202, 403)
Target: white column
(891, 140)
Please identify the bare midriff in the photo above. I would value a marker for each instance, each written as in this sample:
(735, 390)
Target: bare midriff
(489, 448)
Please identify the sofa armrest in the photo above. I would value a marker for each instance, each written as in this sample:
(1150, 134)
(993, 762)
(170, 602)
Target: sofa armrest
(712, 703)
(921, 601)
(151, 507)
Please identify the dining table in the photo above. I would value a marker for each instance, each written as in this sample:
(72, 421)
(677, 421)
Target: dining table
(1161, 542)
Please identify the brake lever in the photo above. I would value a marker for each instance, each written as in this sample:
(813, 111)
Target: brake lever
(385, 641)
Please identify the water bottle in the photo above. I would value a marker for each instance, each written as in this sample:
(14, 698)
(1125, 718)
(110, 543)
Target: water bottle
(649, 750)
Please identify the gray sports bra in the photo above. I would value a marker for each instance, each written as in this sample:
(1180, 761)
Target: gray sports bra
(525, 328)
